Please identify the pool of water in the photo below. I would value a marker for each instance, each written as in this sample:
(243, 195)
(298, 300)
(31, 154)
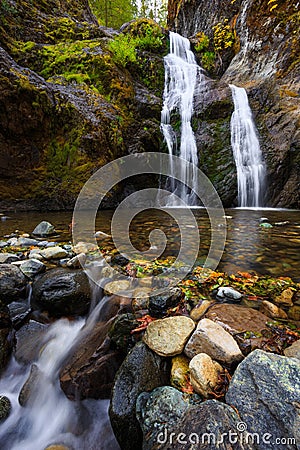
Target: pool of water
(249, 247)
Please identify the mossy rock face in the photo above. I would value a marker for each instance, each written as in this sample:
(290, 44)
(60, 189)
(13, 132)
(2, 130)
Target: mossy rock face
(83, 109)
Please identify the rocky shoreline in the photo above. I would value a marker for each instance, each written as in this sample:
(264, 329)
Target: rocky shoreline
(217, 354)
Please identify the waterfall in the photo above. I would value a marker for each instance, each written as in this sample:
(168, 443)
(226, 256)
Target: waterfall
(48, 416)
(246, 151)
(181, 73)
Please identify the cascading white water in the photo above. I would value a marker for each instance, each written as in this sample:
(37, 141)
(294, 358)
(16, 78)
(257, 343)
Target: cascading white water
(48, 416)
(181, 75)
(249, 162)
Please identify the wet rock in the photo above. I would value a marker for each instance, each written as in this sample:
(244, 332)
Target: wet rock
(54, 253)
(27, 392)
(202, 427)
(19, 312)
(6, 258)
(244, 324)
(3, 244)
(285, 298)
(167, 337)
(204, 374)
(5, 342)
(77, 261)
(12, 283)
(118, 287)
(43, 229)
(198, 312)
(35, 253)
(32, 267)
(265, 225)
(271, 310)
(228, 294)
(265, 389)
(120, 333)
(90, 370)
(29, 341)
(294, 313)
(159, 304)
(142, 371)
(26, 242)
(211, 338)
(293, 351)
(5, 407)
(180, 371)
(158, 411)
(62, 292)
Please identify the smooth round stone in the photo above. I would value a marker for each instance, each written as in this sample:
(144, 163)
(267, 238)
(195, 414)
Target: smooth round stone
(204, 374)
(117, 287)
(200, 309)
(271, 310)
(167, 337)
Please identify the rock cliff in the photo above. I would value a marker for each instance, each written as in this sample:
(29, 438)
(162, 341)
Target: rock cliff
(253, 44)
(69, 102)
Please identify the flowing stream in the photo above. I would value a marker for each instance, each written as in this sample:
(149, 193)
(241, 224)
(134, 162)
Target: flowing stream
(48, 417)
(181, 76)
(250, 167)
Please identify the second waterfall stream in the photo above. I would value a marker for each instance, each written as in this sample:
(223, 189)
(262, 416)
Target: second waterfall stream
(182, 75)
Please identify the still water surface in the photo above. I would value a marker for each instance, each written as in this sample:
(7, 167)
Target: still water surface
(249, 247)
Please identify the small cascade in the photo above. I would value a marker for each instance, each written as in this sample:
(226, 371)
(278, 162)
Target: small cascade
(181, 76)
(48, 416)
(251, 171)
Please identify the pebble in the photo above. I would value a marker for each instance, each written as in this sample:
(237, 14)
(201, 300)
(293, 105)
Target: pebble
(271, 310)
(167, 337)
(228, 294)
(8, 258)
(32, 267)
(200, 310)
(211, 338)
(77, 261)
(180, 371)
(204, 374)
(285, 297)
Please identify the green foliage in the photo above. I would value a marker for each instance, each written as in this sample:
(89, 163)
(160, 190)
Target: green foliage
(123, 49)
(223, 36)
(202, 42)
(113, 13)
(208, 60)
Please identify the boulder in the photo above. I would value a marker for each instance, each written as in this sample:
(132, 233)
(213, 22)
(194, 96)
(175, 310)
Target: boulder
(167, 337)
(158, 411)
(142, 371)
(204, 374)
(205, 426)
(12, 283)
(90, 370)
(5, 342)
(265, 389)
(62, 292)
(43, 229)
(211, 338)
(28, 341)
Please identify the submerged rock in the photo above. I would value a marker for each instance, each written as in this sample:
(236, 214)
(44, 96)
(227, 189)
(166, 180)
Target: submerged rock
(62, 292)
(167, 337)
(142, 371)
(211, 338)
(265, 389)
(43, 229)
(12, 283)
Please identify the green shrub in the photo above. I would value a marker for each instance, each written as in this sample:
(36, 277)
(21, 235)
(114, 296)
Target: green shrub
(123, 49)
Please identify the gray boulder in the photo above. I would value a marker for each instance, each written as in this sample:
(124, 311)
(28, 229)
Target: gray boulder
(62, 292)
(141, 371)
(265, 389)
(12, 283)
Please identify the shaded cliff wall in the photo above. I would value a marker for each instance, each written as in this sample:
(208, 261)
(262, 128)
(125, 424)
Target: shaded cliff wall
(265, 59)
(68, 103)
